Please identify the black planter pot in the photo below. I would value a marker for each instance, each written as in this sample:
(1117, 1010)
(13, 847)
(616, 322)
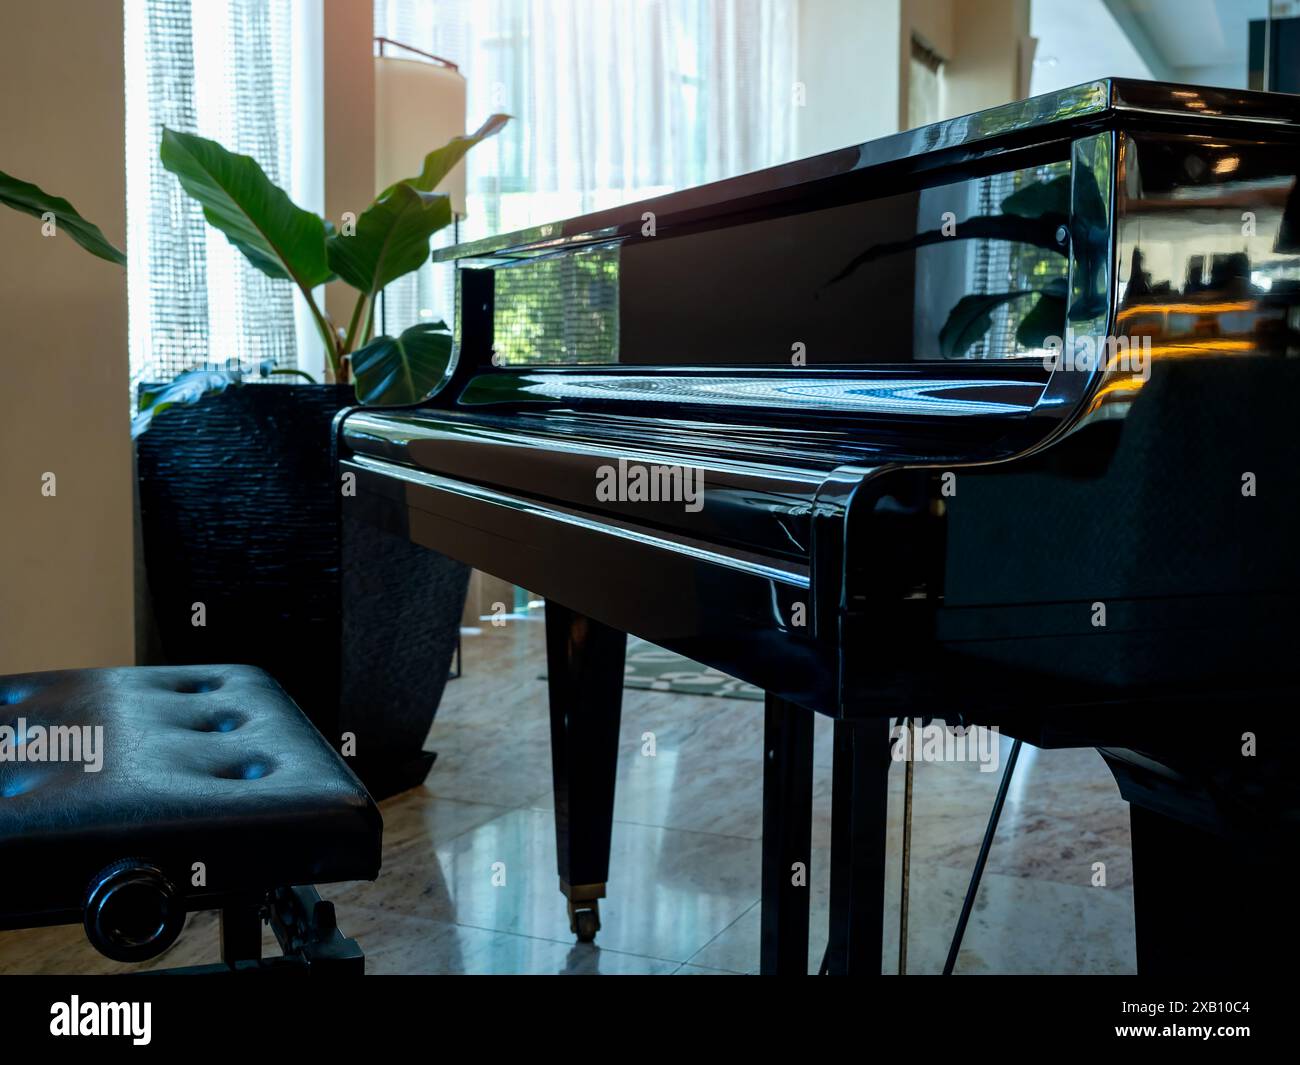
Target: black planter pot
(247, 560)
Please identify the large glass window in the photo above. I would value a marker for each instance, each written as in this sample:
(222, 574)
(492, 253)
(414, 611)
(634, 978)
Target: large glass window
(225, 71)
(612, 102)
(1234, 44)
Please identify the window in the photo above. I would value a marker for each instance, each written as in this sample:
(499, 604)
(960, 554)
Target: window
(612, 102)
(225, 71)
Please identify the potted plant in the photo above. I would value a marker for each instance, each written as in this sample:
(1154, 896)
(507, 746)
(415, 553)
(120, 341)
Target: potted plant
(246, 556)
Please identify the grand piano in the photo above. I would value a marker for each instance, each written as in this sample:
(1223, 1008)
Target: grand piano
(988, 422)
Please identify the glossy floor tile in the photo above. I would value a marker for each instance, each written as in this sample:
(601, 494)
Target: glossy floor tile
(469, 883)
(675, 892)
(1018, 925)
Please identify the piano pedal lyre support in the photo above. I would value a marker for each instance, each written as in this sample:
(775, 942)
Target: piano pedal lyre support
(990, 830)
(905, 879)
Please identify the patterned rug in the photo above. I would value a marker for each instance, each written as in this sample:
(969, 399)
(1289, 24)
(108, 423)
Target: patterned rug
(655, 669)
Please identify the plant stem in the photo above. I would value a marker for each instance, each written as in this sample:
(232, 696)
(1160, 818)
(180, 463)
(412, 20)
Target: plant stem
(350, 341)
(370, 322)
(323, 326)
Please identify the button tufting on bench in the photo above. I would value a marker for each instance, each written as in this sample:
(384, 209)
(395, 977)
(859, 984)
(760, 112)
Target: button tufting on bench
(18, 785)
(221, 723)
(247, 771)
(197, 687)
(176, 785)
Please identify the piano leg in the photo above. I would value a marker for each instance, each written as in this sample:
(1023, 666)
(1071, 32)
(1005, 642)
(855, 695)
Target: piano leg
(787, 836)
(859, 820)
(1197, 898)
(584, 665)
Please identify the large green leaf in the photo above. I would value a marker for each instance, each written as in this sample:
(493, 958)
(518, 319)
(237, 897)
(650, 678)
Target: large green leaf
(275, 234)
(391, 238)
(403, 369)
(970, 319)
(186, 388)
(1041, 199)
(1039, 232)
(1046, 318)
(33, 200)
(439, 162)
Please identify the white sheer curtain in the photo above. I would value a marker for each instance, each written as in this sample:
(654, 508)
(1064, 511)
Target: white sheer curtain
(614, 100)
(223, 70)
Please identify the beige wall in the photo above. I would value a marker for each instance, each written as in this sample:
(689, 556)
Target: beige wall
(931, 22)
(986, 67)
(349, 117)
(854, 57)
(848, 64)
(66, 561)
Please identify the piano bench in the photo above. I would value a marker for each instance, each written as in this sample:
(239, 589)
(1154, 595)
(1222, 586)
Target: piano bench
(132, 797)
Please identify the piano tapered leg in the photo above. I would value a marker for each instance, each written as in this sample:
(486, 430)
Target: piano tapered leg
(859, 819)
(584, 666)
(1197, 898)
(787, 836)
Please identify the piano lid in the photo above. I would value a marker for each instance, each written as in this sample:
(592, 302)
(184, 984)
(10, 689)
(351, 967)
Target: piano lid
(1052, 116)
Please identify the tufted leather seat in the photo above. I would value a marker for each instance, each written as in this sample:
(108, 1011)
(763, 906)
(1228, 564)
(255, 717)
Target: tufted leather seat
(200, 764)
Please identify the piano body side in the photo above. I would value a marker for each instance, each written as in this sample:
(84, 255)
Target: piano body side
(817, 564)
(1127, 569)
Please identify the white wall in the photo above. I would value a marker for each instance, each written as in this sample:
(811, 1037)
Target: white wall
(1080, 41)
(848, 63)
(66, 589)
(854, 57)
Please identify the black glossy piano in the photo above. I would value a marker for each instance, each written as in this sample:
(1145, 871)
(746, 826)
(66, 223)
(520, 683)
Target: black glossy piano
(989, 422)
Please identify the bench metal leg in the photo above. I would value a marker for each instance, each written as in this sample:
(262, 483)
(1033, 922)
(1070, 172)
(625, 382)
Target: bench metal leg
(241, 933)
(305, 926)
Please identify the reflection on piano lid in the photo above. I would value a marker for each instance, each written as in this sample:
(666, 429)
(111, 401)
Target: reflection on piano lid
(966, 270)
(831, 393)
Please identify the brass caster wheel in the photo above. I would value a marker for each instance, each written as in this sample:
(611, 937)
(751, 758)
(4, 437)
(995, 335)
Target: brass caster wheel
(584, 920)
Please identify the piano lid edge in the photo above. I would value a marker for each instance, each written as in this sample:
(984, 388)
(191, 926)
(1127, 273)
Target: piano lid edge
(1052, 115)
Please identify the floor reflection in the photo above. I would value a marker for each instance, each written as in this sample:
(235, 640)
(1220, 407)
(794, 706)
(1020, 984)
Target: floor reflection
(469, 882)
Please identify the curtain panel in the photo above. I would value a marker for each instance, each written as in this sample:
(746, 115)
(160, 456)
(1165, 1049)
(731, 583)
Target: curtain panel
(613, 100)
(223, 71)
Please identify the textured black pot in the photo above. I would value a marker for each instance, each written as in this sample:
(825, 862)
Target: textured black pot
(239, 511)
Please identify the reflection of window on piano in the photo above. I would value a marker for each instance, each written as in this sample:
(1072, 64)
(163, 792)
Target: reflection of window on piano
(969, 270)
(1008, 266)
(558, 310)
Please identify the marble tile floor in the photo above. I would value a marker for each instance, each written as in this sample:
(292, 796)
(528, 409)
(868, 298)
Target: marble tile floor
(469, 882)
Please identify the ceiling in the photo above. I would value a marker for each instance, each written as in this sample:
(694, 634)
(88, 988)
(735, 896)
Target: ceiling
(1059, 62)
(1203, 42)
(1192, 40)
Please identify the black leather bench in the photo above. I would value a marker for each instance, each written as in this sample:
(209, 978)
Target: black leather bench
(131, 797)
